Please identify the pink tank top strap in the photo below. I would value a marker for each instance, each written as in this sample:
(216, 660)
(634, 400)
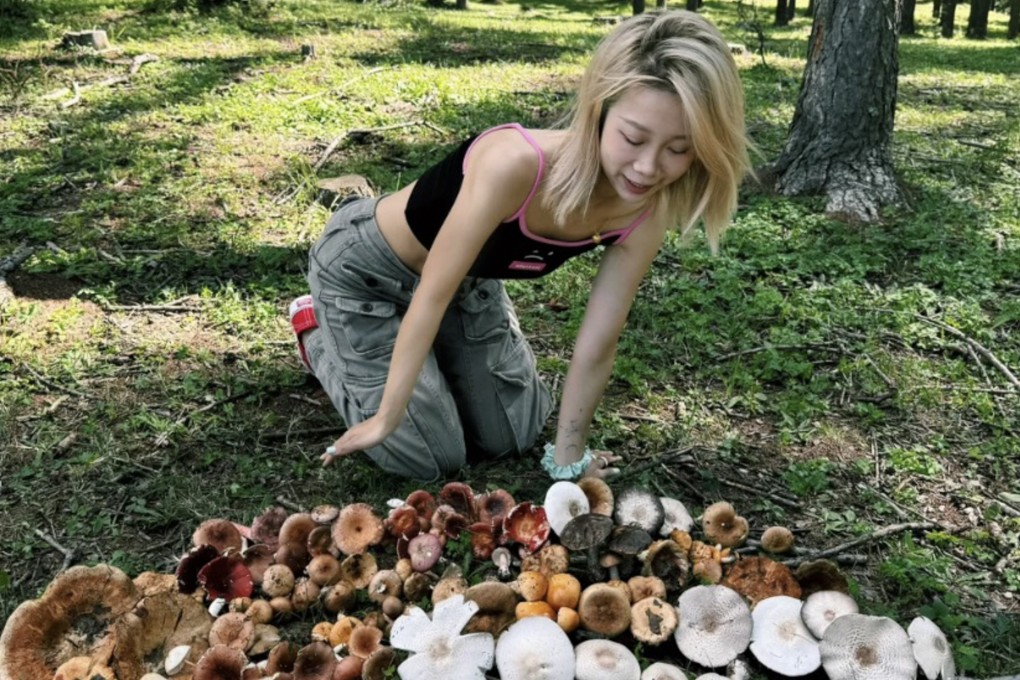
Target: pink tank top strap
(541, 162)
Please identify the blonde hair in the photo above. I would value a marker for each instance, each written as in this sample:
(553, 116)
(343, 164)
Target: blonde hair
(677, 52)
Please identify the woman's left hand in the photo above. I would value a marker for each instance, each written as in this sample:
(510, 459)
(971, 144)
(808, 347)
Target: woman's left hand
(601, 465)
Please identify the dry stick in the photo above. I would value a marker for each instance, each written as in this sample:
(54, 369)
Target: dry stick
(150, 308)
(984, 351)
(289, 504)
(680, 456)
(52, 385)
(141, 60)
(744, 487)
(343, 86)
(875, 535)
(68, 554)
(313, 431)
(755, 350)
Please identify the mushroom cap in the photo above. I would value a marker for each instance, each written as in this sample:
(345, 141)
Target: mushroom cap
(605, 660)
(493, 506)
(359, 569)
(296, 528)
(191, 564)
(652, 620)
(315, 661)
(563, 502)
(266, 527)
(422, 501)
(861, 647)
(220, 661)
(822, 608)
(226, 577)
(528, 525)
(535, 648)
(600, 496)
(676, 516)
(723, 526)
(257, 558)
(324, 570)
(375, 666)
(233, 630)
(639, 508)
(931, 649)
(219, 533)
(777, 540)
(715, 625)
(384, 583)
(437, 643)
(496, 604)
(586, 531)
(460, 496)
(324, 514)
(629, 540)
(780, 640)
(663, 671)
(364, 641)
(447, 521)
(484, 538)
(278, 581)
(356, 528)
(320, 541)
(668, 561)
(424, 551)
(604, 609)
(403, 522)
(757, 578)
(820, 575)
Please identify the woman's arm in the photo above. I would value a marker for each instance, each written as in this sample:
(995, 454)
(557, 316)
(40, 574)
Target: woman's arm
(616, 284)
(497, 180)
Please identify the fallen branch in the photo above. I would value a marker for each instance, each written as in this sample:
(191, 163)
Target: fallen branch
(289, 504)
(309, 432)
(75, 99)
(52, 385)
(679, 456)
(68, 554)
(795, 505)
(861, 540)
(981, 349)
(821, 347)
(140, 61)
(150, 308)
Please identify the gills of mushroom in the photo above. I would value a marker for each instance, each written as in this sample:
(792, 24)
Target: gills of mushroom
(780, 640)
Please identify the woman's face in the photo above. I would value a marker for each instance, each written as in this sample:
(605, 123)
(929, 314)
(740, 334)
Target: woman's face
(646, 144)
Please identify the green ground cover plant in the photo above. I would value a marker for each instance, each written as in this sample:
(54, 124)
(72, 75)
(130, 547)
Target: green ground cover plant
(834, 377)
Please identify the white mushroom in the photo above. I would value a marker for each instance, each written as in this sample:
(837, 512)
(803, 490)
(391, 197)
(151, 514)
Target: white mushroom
(663, 671)
(780, 640)
(931, 649)
(535, 648)
(438, 649)
(715, 625)
(676, 517)
(712, 676)
(175, 659)
(822, 608)
(605, 660)
(563, 502)
(640, 508)
(861, 647)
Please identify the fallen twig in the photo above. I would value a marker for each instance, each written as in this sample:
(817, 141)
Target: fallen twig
(75, 99)
(309, 432)
(140, 61)
(861, 540)
(821, 347)
(343, 86)
(52, 385)
(679, 456)
(289, 504)
(151, 308)
(68, 554)
(795, 505)
(981, 349)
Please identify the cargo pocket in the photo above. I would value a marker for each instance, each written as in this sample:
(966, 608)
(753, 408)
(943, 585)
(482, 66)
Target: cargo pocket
(484, 311)
(370, 326)
(525, 400)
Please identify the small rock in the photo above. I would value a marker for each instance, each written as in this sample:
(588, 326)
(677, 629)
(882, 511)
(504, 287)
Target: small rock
(97, 40)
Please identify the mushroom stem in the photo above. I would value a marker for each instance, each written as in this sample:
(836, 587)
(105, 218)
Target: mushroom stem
(595, 570)
(501, 557)
(614, 573)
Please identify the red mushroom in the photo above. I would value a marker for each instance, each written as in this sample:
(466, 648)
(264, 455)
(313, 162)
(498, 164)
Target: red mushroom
(403, 522)
(423, 502)
(447, 521)
(226, 577)
(527, 524)
(191, 564)
(484, 538)
(266, 527)
(460, 496)
(494, 505)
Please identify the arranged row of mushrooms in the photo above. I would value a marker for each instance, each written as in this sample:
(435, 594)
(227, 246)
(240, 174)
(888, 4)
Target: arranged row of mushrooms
(609, 569)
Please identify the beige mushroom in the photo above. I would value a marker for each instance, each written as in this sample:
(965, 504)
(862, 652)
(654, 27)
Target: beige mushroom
(232, 630)
(715, 625)
(356, 528)
(723, 526)
(358, 569)
(652, 620)
(861, 647)
(604, 609)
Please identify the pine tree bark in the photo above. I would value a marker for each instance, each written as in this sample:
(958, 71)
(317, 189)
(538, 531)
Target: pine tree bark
(1014, 19)
(791, 11)
(947, 18)
(907, 26)
(840, 139)
(692, 5)
(977, 23)
(936, 9)
(782, 16)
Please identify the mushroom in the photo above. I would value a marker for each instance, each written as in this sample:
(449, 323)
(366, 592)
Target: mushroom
(639, 508)
(605, 660)
(340, 634)
(219, 533)
(423, 502)
(281, 658)
(266, 527)
(357, 528)
(191, 564)
(723, 526)
(293, 555)
(527, 525)
(931, 649)
(668, 561)
(676, 517)
(82, 605)
(384, 584)
(535, 648)
(266, 638)
(757, 578)
(226, 577)
(652, 620)
(822, 608)
(502, 559)
(563, 502)
(378, 663)
(220, 661)
(459, 496)
(628, 541)
(320, 541)
(780, 640)
(600, 496)
(324, 514)
(305, 594)
(260, 611)
(296, 529)
(820, 575)
(447, 587)
(358, 569)
(418, 586)
(437, 645)
(568, 619)
(338, 597)
(493, 506)
(532, 585)
(424, 551)
(861, 647)
(315, 661)
(484, 538)
(233, 630)
(403, 522)
(564, 591)
(537, 608)
(278, 581)
(715, 625)
(446, 521)
(645, 586)
(257, 558)
(496, 607)
(324, 570)
(604, 609)
(777, 540)
(586, 533)
(663, 671)
(364, 641)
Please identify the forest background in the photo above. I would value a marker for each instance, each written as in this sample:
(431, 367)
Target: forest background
(157, 200)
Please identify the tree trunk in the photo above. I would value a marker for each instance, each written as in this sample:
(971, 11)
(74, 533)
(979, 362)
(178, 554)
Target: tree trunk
(660, 4)
(948, 18)
(1014, 19)
(936, 9)
(907, 26)
(840, 138)
(638, 6)
(791, 10)
(977, 23)
(810, 8)
(782, 18)
(462, 4)
(692, 5)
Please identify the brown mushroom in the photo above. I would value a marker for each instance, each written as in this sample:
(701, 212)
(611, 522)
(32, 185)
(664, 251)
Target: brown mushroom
(604, 609)
(364, 640)
(339, 597)
(192, 563)
(494, 506)
(296, 529)
(642, 587)
(423, 502)
(220, 661)
(257, 558)
(496, 604)
(356, 529)
(358, 569)
(385, 583)
(757, 578)
(377, 665)
(233, 630)
(219, 533)
(820, 575)
(777, 540)
(723, 526)
(305, 594)
(266, 527)
(418, 586)
(459, 496)
(320, 541)
(652, 620)
(324, 570)
(600, 496)
(315, 661)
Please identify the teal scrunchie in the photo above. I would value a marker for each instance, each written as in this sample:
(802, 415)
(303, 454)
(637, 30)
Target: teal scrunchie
(565, 472)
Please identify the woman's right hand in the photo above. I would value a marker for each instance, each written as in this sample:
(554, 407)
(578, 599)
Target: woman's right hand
(601, 465)
(364, 435)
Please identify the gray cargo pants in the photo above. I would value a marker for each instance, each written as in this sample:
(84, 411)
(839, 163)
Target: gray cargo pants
(479, 390)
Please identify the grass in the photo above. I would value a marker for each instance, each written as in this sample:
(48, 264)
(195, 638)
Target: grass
(846, 367)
